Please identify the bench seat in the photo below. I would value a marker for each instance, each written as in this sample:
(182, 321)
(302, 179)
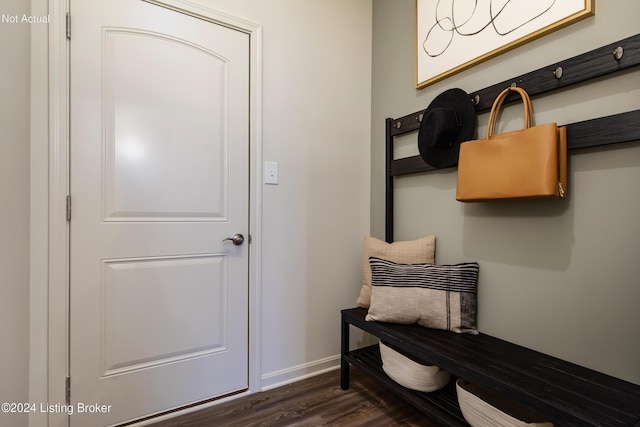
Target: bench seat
(558, 391)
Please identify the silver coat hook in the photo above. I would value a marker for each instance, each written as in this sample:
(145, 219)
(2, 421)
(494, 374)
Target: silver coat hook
(618, 52)
(558, 72)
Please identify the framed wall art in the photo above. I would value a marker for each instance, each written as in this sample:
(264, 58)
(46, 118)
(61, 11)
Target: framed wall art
(453, 35)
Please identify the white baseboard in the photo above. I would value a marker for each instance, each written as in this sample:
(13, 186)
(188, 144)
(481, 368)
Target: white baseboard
(296, 373)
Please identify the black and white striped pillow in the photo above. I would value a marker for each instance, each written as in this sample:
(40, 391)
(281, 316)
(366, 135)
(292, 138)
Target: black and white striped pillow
(434, 296)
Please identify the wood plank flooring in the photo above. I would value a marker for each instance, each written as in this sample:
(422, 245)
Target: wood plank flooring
(317, 401)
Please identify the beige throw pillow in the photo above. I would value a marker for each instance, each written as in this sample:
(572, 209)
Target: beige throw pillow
(421, 251)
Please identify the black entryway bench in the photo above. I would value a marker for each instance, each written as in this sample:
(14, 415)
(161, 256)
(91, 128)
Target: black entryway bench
(558, 391)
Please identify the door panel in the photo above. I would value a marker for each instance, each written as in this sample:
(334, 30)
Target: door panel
(152, 132)
(159, 177)
(190, 288)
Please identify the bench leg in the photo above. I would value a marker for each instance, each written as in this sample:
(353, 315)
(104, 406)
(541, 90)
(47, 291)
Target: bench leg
(344, 350)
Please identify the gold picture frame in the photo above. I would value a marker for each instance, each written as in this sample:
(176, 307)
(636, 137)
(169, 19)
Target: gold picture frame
(453, 36)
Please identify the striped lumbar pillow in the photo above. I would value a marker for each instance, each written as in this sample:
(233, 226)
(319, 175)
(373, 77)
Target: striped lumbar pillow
(434, 296)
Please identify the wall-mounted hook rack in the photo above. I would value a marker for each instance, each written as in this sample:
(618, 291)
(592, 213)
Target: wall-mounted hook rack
(578, 69)
(599, 62)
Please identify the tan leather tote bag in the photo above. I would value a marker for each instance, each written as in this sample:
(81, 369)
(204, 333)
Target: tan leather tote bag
(530, 163)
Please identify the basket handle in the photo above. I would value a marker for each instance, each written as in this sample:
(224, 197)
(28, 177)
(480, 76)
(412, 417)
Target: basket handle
(497, 104)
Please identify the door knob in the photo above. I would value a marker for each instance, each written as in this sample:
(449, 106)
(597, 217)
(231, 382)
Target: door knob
(237, 239)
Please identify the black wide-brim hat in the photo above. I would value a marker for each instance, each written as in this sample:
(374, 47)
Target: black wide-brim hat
(447, 122)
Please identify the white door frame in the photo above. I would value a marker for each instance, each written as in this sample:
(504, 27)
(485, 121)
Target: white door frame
(49, 243)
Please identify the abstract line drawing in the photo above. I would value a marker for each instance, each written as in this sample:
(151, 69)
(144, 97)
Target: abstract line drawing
(470, 18)
(452, 35)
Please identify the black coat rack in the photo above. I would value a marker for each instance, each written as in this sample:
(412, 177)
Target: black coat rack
(623, 127)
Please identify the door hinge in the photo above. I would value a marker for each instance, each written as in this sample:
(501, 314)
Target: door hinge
(68, 207)
(68, 25)
(67, 392)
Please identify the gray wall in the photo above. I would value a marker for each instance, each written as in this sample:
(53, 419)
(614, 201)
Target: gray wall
(14, 209)
(562, 277)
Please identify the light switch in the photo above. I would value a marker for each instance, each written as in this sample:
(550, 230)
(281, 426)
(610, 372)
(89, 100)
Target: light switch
(271, 173)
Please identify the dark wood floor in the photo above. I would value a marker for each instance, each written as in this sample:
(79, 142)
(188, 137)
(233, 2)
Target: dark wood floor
(317, 401)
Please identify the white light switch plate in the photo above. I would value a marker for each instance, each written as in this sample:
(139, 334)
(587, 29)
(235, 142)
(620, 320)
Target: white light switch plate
(271, 173)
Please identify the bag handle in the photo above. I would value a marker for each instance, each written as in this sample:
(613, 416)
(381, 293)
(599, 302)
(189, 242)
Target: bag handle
(497, 104)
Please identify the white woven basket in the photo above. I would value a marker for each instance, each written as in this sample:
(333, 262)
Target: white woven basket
(485, 409)
(412, 374)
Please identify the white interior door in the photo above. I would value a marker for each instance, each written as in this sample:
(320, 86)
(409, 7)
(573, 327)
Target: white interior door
(159, 164)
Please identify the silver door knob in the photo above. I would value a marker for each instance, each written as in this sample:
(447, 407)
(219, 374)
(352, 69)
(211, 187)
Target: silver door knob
(237, 239)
